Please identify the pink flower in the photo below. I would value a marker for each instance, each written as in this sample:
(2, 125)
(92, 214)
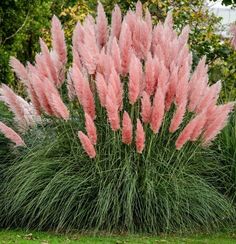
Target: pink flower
(91, 129)
(218, 121)
(139, 10)
(114, 80)
(116, 22)
(146, 108)
(102, 26)
(158, 110)
(127, 129)
(115, 53)
(199, 126)
(112, 109)
(134, 80)
(87, 145)
(233, 32)
(149, 75)
(70, 86)
(58, 40)
(191, 131)
(19, 69)
(177, 118)
(125, 44)
(140, 137)
(49, 65)
(11, 135)
(101, 88)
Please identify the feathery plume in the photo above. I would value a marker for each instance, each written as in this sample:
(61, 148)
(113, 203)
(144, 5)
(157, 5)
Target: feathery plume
(177, 118)
(134, 79)
(139, 9)
(101, 88)
(125, 44)
(91, 129)
(202, 117)
(87, 145)
(19, 69)
(127, 129)
(218, 122)
(112, 109)
(232, 30)
(158, 110)
(191, 131)
(146, 108)
(102, 26)
(140, 137)
(149, 75)
(116, 20)
(11, 135)
(115, 53)
(58, 40)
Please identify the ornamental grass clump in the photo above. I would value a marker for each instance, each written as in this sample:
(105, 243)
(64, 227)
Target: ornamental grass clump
(127, 149)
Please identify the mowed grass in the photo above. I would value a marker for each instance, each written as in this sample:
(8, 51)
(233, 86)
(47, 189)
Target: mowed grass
(19, 236)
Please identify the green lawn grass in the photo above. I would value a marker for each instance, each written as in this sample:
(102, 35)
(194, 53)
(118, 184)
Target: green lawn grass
(19, 236)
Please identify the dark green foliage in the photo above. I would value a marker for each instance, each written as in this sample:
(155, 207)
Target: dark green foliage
(225, 147)
(54, 185)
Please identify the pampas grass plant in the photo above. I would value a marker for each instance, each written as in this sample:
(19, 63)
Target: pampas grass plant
(129, 151)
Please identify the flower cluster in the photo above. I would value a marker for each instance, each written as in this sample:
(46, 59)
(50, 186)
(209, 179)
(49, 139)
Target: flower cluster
(131, 65)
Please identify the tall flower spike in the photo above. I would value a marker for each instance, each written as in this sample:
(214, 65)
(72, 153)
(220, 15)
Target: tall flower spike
(102, 27)
(112, 109)
(177, 118)
(134, 80)
(127, 129)
(58, 40)
(115, 53)
(191, 131)
(233, 32)
(146, 108)
(221, 116)
(158, 110)
(140, 137)
(11, 135)
(101, 88)
(91, 129)
(116, 22)
(19, 69)
(87, 145)
(149, 75)
(125, 44)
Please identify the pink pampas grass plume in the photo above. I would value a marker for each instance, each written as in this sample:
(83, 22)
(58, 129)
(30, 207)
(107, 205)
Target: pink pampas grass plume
(112, 109)
(39, 89)
(146, 108)
(149, 75)
(116, 22)
(15, 104)
(101, 88)
(19, 69)
(191, 131)
(87, 145)
(88, 102)
(218, 122)
(115, 53)
(139, 9)
(91, 129)
(148, 20)
(158, 110)
(209, 98)
(127, 129)
(170, 96)
(58, 40)
(114, 80)
(134, 79)
(202, 118)
(140, 137)
(59, 108)
(70, 86)
(102, 26)
(125, 44)
(11, 135)
(177, 118)
(49, 65)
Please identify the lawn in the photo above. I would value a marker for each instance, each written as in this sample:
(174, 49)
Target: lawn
(21, 237)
